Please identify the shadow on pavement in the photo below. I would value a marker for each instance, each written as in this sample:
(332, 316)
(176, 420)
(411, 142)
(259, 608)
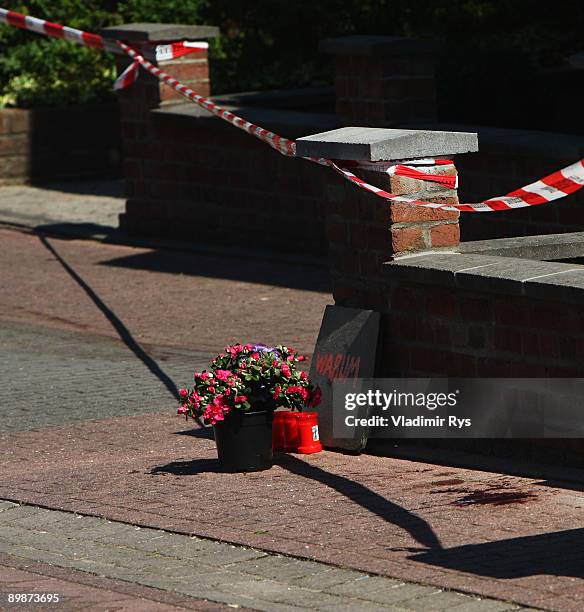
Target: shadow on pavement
(116, 323)
(559, 553)
(231, 266)
(107, 187)
(188, 468)
(77, 230)
(199, 432)
(417, 527)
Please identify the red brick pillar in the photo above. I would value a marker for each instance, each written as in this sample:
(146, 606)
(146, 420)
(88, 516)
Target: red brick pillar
(148, 93)
(383, 80)
(365, 230)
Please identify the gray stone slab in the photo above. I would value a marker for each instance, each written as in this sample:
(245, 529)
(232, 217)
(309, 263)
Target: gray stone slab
(375, 144)
(566, 286)
(508, 275)
(377, 45)
(503, 275)
(159, 32)
(436, 268)
(288, 123)
(546, 247)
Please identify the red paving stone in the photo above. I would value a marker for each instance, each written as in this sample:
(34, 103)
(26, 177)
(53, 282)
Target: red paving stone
(495, 535)
(172, 298)
(81, 591)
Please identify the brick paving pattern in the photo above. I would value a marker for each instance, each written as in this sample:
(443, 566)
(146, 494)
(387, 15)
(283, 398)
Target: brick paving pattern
(199, 568)
(511, 538)
(50, 377)
(93, 339)
(166, 298)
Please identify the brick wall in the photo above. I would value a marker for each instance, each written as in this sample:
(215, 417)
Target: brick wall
(509, 159)
(190, 176)
(364, 231)
(437, 331)
(45, 144)
(383, 80)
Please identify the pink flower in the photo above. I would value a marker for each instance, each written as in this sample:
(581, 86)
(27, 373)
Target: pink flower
(290, 358)
(277, 392)
(248, 347)
(205, 376)
(182, 409)
(183, 392)
(222, 375)
(255, 355)
(303, 375)
(239, 399)
(298, 389)
(301, 358)
(234, 350)
(286, 370)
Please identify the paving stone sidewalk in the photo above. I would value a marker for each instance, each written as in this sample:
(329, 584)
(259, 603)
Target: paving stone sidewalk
(510, 538)
(194, 567)
(79, 590)
(51, 377)
(93, 337)
(94, 204)
(170, 298)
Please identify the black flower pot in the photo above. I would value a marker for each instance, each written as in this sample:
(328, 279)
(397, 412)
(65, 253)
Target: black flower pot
(244, 441)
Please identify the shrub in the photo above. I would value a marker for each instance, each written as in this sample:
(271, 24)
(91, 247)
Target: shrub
(487, 44)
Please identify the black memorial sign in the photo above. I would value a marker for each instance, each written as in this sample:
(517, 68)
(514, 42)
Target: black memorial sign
(345, 349)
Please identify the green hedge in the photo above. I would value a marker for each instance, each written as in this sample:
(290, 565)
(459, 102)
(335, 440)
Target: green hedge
(39, 71)
(274, 43)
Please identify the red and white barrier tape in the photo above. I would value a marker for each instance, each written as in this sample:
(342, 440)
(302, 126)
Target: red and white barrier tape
(283, 145)
(557, 185)
(48, 28)
(408, 169)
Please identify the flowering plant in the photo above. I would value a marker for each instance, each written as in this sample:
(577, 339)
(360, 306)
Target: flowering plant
(247, 377)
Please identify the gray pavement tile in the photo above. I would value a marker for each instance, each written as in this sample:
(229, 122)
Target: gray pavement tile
(279, 592)
(214, 570)
(229, 556)
(364, 584)
(17, 513)
(442, 600)
(280, 568)
(489, 605)
(400, 594)
(7, 505)
(353, 605)
(327, 578)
